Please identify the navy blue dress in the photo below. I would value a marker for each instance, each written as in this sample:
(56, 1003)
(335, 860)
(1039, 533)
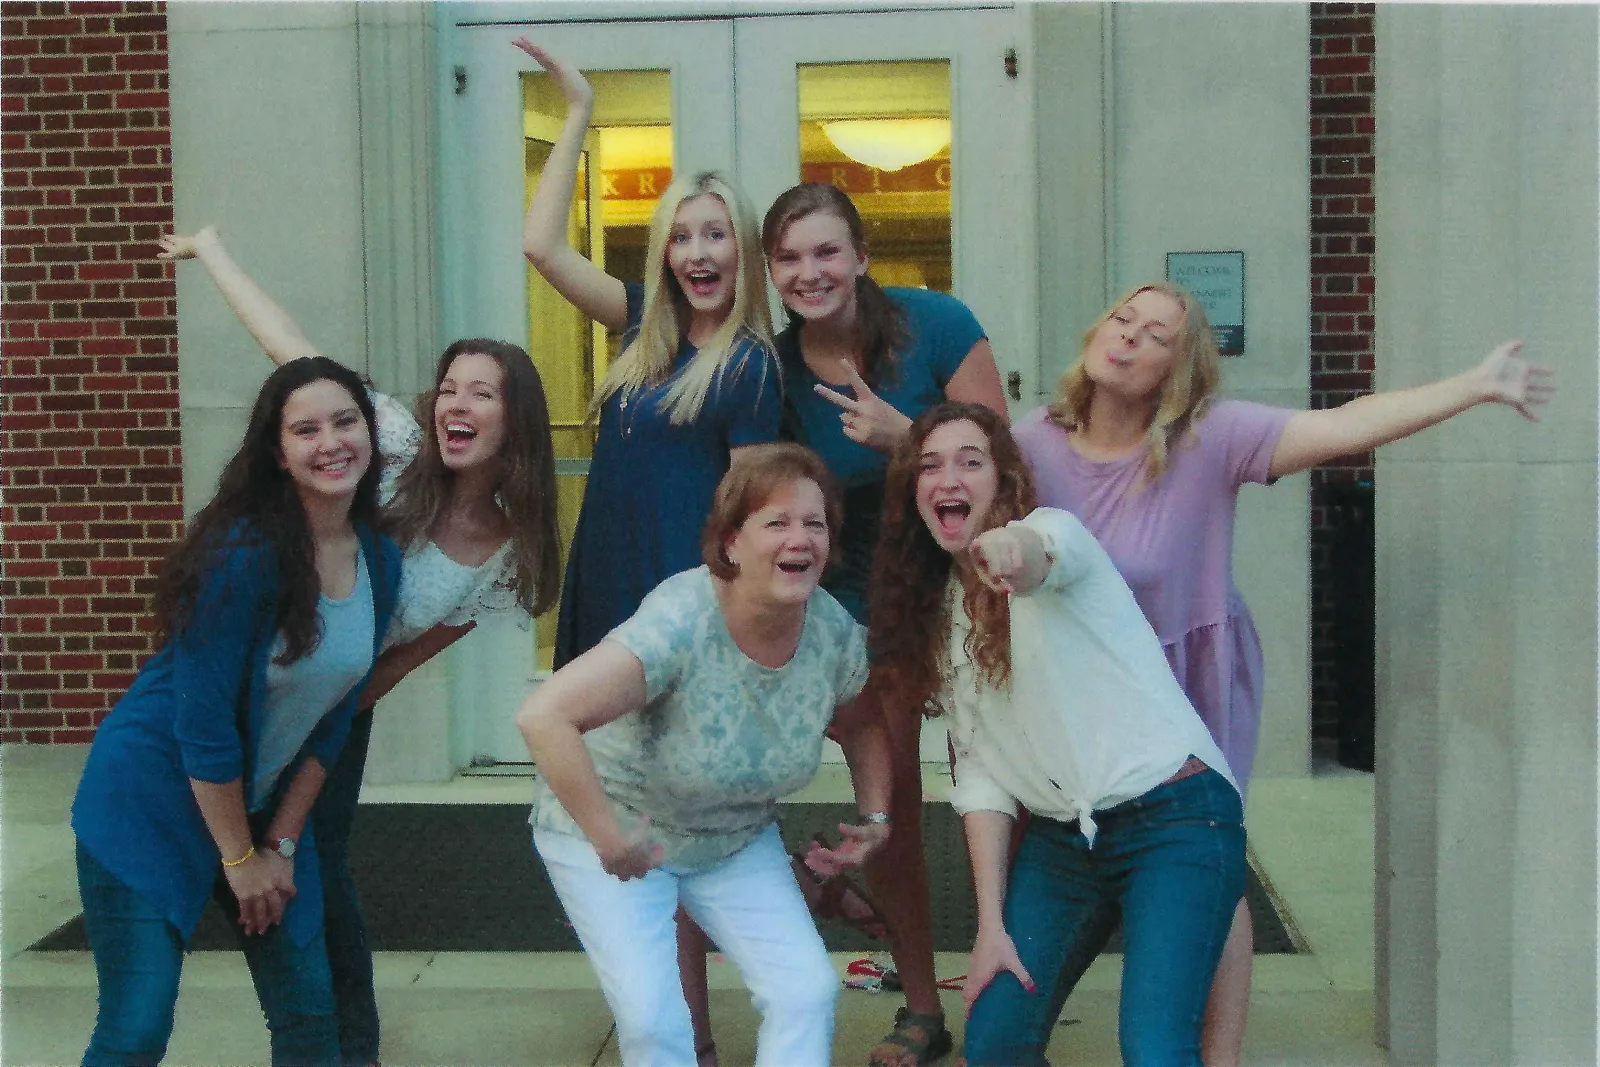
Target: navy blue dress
(651, 483)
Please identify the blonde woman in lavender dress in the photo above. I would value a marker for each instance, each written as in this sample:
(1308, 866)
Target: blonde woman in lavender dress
(1135, 446)
(472, 506)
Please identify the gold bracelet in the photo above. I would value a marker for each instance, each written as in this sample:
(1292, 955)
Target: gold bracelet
(241, 859)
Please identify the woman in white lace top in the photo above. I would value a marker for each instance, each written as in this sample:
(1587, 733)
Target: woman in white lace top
(472, 505)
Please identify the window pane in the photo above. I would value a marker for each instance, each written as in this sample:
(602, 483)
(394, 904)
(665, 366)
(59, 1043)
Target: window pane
(881, 132)
(626, 163)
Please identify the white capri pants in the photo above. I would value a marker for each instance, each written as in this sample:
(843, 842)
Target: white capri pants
(750, 906)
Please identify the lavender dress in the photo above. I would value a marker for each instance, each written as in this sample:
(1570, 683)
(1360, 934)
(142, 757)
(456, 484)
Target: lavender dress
(1173, 544)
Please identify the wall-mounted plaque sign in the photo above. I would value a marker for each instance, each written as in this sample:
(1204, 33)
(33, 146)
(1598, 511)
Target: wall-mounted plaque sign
(1217, 280)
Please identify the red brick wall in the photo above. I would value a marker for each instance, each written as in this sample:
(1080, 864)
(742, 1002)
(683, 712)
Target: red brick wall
(1342, 55)
(92, 472)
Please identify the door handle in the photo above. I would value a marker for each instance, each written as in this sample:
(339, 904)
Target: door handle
(1014, 385)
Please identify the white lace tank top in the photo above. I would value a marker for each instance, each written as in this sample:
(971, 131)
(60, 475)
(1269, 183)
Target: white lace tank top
(434, 588)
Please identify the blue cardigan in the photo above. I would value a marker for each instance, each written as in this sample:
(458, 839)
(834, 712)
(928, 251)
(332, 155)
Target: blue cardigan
(135, 810)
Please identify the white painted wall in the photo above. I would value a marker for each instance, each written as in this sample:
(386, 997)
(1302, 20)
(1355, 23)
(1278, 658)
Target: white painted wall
(1206, 147)
(247, 80)
(1203, 146)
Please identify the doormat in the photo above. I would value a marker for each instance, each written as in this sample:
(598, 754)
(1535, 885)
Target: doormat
(465, 878)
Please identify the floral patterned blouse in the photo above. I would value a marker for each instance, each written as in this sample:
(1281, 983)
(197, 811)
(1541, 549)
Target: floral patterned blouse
(720, 738)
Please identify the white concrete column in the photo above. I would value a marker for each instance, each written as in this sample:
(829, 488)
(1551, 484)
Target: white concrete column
(266, 145)
(1486, 229)
(395, 64)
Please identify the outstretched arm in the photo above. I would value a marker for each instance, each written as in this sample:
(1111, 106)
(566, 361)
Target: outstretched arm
(860, 731)
(273, 328)
(397, 662)
(1311, 438)
(544, 230)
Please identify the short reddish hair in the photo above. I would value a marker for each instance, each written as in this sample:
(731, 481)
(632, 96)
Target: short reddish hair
(758, 472)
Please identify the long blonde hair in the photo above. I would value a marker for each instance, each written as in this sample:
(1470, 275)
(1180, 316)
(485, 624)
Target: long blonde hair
(1196, 371)
(647, 361)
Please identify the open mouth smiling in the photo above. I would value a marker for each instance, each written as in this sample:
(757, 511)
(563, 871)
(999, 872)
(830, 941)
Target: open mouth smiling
(952, 516)
(703, 282)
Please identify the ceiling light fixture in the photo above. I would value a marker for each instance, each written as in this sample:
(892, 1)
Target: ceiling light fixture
(889, 144)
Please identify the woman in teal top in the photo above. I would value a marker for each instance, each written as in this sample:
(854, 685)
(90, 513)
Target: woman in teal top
(200, 781)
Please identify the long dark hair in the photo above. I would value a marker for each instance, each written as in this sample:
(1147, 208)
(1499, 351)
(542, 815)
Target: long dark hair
(910, 634)
(884, 330)
(257, 503)
(525, 482)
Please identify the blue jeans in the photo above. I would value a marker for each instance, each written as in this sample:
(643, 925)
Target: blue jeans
(138, 955)
(344, 924)
(1171, 864)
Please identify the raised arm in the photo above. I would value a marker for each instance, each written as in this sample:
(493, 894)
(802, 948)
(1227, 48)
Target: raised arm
(604, 684)
(1311, 438)
(274, 329)
(544, 230)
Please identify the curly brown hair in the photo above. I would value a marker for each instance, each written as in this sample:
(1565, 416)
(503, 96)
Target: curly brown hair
(910, 630)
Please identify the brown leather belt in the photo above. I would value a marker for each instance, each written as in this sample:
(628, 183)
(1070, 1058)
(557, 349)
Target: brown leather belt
(1191, 766)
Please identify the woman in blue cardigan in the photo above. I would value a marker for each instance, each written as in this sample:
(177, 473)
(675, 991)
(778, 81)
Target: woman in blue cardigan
(271, 610)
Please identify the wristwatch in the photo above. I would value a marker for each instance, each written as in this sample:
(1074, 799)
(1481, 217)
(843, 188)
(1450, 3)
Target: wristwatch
(285, 847)
(876, 818)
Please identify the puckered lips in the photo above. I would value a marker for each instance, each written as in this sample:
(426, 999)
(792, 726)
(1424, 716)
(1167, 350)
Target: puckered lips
(1119, 357)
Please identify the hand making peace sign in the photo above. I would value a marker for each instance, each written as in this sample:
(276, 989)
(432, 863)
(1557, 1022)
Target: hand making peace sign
(868, 418)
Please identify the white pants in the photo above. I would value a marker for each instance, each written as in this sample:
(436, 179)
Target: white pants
(750, 906)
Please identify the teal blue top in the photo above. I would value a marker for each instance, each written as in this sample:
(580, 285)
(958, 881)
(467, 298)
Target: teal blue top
(942, 331)
(721, 737)
(197, 710)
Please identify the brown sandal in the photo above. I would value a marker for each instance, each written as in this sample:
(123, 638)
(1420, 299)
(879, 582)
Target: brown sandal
(916, 1041)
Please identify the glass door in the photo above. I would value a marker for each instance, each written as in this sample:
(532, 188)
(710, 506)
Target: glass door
(922, 121)
(660, 97)
(918, 115)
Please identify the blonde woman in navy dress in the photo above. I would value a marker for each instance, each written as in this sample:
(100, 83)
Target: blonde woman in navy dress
(695, 380)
